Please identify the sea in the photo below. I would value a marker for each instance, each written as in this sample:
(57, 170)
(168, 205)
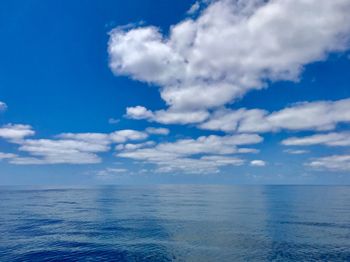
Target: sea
(175, 223)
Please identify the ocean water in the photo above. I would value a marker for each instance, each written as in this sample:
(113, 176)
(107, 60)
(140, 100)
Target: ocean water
(175, 223)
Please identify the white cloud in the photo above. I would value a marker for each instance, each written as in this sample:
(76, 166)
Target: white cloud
(7, 155)
(134, 146)
(330, 139)
(123, 136)
(93, 138)
(210, 144)
(319, 115)
(3, 106)
(228, 120)
(202, 155)
(231, 48)
(15, 131)
(157, 131)
(62, 151)
(259, 163)
(67, 148)
(332, 163)
(138, 112)
(203, 165)
(167, 116)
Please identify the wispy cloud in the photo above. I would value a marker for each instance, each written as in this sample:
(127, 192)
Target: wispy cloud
(296, 151)
(330, 139)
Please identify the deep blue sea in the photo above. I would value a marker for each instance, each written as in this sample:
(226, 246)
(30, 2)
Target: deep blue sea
(175, 223)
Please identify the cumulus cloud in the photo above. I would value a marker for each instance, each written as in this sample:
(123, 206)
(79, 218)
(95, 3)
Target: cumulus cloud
(330, 139)
(319, 115)
(232, 47)
(138, 112)
(332, 163)
(70, 148)
(202, 155)
(259, 163)
(167, 116)
(15, 131)
(73, 148)
(3, 106)
(122, 136)
(68, 151)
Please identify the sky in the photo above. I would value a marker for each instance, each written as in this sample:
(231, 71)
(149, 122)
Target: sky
(174, 92)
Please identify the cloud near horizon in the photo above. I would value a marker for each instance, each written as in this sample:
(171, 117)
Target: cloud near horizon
(334, 163)
(206, 154)
(67, 148)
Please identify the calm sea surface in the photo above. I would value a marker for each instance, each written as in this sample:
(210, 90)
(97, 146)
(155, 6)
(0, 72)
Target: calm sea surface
(175, 223)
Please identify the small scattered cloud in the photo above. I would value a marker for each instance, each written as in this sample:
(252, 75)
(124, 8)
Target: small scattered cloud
(194, 8)
(113, 121)
(258, 163)
(3, 106)
(138, 112)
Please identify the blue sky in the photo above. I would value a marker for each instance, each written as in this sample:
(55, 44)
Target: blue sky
(158, 91)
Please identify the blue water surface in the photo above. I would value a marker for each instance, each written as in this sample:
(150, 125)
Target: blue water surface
(175, 223)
